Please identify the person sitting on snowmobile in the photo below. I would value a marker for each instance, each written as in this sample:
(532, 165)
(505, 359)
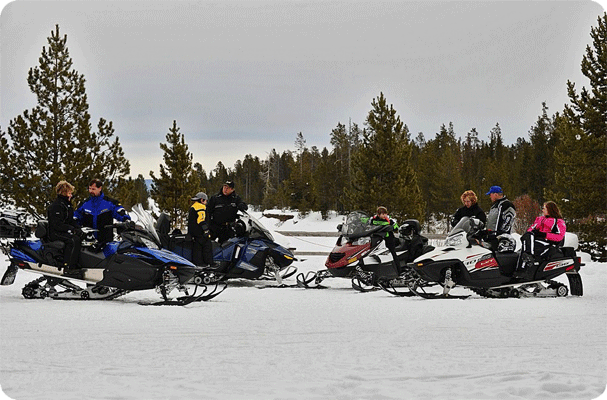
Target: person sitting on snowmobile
(469, 209)
(500, 218)
(64, 228)
(99, 211)
(547, 232)
(382, 219)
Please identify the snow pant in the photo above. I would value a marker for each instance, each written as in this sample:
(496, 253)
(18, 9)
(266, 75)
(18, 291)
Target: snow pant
(202, 251)
(71, 252)
(391, 242)
(533, 248)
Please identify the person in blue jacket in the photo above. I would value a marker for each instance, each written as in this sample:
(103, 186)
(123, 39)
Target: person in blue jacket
(99, 211)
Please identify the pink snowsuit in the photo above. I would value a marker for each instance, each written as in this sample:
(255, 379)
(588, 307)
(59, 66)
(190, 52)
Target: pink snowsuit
(552, 227)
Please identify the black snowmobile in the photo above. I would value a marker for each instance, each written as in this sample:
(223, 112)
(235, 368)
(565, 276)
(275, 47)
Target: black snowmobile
(466, 261)
(135, 263)
(361, 254)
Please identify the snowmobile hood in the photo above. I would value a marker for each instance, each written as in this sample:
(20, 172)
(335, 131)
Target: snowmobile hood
(166, 256)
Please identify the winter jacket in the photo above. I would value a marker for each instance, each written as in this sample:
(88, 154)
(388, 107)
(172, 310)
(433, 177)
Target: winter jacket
(197, 221)
(553, 228)
(222, 209)
(501, 217)
(61, 220)
(382, 222)
(99, 211)
(474, 211)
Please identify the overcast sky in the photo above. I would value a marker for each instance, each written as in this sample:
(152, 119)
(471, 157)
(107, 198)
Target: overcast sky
(244, 77)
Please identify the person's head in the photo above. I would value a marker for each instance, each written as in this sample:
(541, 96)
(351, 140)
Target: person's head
(495, 193)
(64, 188)
(228, 188)
(95, 187)
(382, 211)
(201, 197)
(469, 198)
(550, 209)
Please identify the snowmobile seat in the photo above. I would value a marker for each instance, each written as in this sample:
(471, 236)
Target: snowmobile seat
(42, 234)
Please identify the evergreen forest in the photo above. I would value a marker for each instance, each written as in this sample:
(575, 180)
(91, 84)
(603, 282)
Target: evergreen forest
(373, 162)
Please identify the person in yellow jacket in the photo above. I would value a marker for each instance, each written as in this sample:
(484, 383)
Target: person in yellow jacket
(198, 229)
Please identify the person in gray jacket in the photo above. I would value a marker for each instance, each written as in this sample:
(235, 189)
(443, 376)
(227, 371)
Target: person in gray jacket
(500, 217)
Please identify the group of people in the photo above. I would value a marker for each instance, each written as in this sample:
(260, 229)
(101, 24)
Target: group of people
(213, 219)
(65, 222)
(208, 219)
(546, 232)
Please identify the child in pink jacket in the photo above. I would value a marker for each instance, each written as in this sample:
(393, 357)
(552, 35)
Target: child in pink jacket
(546, 232)
(549, 226)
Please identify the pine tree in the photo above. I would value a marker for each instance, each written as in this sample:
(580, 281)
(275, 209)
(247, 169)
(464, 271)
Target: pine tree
(55, 140)
(542, 141)
(382, 171)
(581, 154)
(177, 182)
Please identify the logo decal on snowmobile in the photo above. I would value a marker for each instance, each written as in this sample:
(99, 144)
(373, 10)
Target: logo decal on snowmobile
(557, 264)
(486, 262)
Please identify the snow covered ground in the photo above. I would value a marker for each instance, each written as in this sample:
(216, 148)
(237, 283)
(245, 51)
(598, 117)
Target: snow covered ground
(255, 342)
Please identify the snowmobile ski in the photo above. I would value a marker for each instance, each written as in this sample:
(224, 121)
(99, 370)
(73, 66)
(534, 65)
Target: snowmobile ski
(193, 298)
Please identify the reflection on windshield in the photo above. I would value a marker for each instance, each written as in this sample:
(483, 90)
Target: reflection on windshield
(146, 220)
(258, 226)
(357, 224)
(463, 225)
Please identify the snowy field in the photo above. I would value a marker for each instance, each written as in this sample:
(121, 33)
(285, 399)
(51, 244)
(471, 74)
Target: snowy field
(255, 342)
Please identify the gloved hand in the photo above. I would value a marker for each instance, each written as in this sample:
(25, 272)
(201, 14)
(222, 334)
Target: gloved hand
(243, 207)
(129, 225)
(206, 233)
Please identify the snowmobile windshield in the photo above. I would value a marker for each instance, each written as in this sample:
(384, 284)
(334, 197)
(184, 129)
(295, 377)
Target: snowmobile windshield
(146, 221)
(464, 225)
(358, 224)
(257, 229)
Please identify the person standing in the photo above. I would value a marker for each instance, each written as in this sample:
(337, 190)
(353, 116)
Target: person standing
(99, 211)
(470, 208)
(198, 229)
(381, 218)
(223, 211)
(63, 227)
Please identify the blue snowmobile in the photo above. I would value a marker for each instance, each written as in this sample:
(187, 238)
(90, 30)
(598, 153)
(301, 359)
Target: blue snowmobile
(252, 254)
(136, 262)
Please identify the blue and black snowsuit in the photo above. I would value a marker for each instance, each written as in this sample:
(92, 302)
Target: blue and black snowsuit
(98, 212)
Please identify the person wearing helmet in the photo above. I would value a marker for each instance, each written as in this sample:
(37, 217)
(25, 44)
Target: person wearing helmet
(198, 229)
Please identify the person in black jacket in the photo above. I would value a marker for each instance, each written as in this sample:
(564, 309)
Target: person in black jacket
(63, 227)
(470, 208)
(198, 229)
(223, 211)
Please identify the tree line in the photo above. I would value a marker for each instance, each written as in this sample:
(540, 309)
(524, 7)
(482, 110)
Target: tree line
(377, 163)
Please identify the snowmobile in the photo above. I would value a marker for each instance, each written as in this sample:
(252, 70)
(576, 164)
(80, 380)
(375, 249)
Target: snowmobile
(467, 261)
(252, 254)
(136, 262)
(361, 254)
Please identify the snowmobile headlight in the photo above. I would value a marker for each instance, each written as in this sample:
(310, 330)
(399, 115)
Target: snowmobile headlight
(361, 241)
(454, 240)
